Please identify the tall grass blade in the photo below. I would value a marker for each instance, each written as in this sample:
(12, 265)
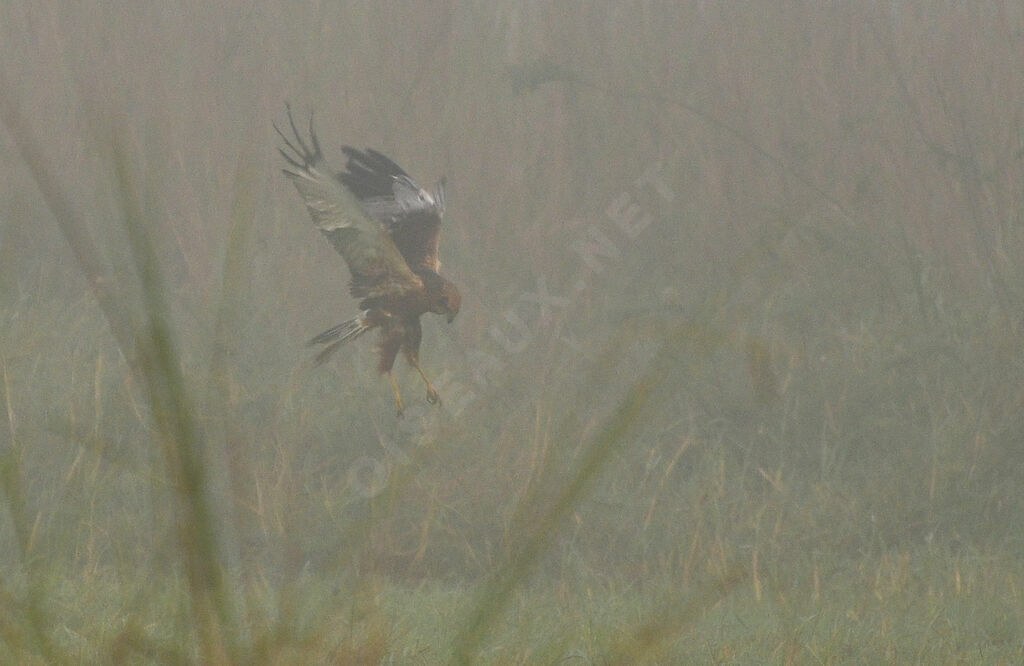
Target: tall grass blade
(180, 434)
(543, 517)
(74, 229)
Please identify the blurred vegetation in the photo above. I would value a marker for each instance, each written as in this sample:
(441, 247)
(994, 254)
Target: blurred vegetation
(738, 374)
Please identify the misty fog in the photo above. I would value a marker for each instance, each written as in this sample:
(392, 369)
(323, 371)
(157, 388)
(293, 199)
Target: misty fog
(738, 374)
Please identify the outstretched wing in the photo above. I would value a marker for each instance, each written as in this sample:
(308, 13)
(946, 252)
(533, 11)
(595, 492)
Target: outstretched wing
(376, 264)
(387, 193)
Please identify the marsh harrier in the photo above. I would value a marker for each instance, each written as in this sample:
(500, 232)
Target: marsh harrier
(387, 228)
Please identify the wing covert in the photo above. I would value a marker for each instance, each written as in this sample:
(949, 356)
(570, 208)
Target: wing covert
(388, 194)
(374, 261)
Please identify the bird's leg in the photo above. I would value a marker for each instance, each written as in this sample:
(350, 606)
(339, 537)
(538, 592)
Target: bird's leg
(432, 396)
(398, 394)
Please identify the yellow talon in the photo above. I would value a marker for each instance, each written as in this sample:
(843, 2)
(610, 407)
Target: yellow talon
(432, 397)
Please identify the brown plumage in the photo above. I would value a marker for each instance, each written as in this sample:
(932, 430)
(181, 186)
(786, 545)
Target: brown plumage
(387, 229)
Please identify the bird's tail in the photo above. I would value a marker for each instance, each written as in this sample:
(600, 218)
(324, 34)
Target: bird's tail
(339, 335)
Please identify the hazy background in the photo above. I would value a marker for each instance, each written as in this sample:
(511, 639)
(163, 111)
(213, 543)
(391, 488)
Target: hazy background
(797, 225)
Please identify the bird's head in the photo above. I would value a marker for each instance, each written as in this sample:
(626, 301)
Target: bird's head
(448, 301)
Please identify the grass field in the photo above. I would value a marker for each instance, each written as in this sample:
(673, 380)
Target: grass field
(738, 376)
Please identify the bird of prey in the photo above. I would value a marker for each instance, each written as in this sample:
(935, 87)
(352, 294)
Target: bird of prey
(387, 229)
